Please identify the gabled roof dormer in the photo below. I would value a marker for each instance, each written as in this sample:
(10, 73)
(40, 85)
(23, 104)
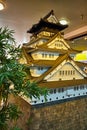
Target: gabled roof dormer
(50, 17)
(58, 42)
(63, 69)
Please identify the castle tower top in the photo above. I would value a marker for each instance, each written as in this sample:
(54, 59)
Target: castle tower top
(48, 22)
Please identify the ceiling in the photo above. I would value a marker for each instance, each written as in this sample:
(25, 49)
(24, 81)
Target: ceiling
(20, 15)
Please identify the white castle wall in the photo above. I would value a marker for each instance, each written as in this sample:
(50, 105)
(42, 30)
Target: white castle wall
(41, 55)
(61, 94)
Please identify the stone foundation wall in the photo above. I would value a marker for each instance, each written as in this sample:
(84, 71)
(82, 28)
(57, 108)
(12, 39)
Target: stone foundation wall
(25, 109)
(71, 115)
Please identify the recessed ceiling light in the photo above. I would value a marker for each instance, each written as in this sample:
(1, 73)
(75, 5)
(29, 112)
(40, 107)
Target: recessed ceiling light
(2, 4)
(63, 21)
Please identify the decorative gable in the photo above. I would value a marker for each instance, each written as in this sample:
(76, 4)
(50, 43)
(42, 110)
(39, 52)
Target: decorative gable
(58, 43)
(67, 70)
(52, 19)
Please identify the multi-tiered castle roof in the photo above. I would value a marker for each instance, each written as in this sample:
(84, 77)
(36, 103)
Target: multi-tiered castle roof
(50, 57)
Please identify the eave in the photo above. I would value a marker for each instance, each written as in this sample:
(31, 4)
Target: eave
(62, 83)
(81, 64)
(43, 23)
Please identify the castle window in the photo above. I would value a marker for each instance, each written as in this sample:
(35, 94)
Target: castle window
(43, 55)
(63, 72)
(58, 44)
(54, 90)
(40, 68)
(61, 90)
(66, 72)
(82, 87)
(51, 91)
(76, 88)
(59, 72)
(73, 72)
(51, 55)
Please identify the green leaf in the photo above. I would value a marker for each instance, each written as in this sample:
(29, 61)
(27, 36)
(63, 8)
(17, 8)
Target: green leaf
(14, 112)
(15, 128)
(13, 73)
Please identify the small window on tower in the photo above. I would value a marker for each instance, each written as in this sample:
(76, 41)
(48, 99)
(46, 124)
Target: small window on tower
(60, 72)
(51, 91)
(43, 55)
(52, 55)
(66, 72)
(49, 55)
(73, 72)
(63, 72)
(54, 90)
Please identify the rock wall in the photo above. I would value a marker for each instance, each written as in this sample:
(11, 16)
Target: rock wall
(25, 108)
(71, 115)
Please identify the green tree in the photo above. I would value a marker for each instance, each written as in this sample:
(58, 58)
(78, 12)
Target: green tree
(13, 78)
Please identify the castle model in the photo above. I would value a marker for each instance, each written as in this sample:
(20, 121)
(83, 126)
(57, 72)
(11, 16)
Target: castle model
(51, 62)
